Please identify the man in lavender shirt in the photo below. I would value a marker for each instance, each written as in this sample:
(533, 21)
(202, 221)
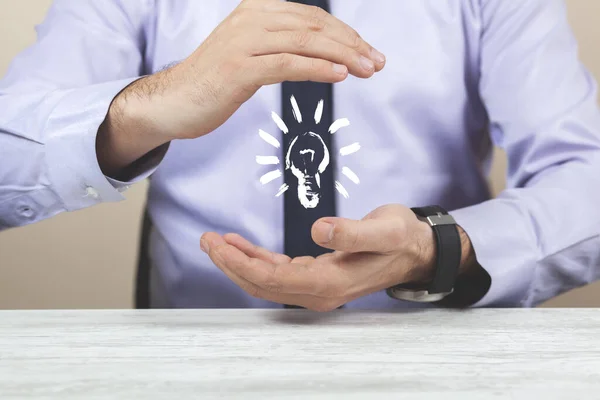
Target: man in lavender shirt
(78, 126)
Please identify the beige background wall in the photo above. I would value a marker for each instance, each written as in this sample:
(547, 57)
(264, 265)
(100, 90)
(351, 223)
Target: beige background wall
(86, 259)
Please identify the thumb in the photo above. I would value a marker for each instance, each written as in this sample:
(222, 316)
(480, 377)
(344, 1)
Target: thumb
(369, 235)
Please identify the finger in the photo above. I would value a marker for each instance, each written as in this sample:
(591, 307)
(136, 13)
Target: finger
(313, 45)
(275, 278)
(253, 251)
(231, 259)
(304, 260)
(317, 19)
(260, 293)
(300, 17)
(309, 302)
(224, 257)
(353, 236)
(330, 27)
(277, 68)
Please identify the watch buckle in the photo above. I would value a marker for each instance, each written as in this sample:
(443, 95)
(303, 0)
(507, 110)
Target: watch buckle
(440, 219)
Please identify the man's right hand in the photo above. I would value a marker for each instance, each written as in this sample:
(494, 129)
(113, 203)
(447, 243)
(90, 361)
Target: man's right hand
(262, 42)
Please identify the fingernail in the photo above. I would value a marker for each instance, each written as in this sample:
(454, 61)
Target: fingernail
(325, 231)
(366, 63)
(204, 245)
(340, 69)
(377, 56)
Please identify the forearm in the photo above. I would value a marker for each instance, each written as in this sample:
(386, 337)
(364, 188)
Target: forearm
(128, 133)
(548, 124)
(518, 236)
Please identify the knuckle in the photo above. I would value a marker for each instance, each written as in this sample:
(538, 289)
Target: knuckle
(316, 23)
(283, 61)
(314, 66)
(317, 12)
(218, 251)
(355, 39)
(347, 54)
(237, 18)
(303, 39)
(354, 237)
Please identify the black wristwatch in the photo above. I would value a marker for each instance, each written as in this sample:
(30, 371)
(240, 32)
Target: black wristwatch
(448, 255)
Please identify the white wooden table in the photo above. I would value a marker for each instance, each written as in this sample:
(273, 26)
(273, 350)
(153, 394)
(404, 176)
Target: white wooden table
(285, 354)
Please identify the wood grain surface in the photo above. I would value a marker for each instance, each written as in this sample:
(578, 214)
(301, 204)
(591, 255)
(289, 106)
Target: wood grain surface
(297, 354)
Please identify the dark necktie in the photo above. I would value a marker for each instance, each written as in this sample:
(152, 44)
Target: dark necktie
(307, 147)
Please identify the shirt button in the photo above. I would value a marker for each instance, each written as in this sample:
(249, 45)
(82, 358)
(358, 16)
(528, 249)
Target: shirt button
(26, 212)
(123, 189)
(91, 192)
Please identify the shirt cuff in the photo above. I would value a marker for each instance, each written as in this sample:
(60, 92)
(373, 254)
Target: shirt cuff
(504, 247)
(140, 170)
(70, 151)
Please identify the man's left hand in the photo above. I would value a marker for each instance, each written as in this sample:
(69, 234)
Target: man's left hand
(388, 247)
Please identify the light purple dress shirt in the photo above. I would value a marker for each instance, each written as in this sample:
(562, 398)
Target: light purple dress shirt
(461, 75)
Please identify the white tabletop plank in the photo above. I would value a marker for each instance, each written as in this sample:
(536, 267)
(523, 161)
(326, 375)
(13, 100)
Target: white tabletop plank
(257, 354)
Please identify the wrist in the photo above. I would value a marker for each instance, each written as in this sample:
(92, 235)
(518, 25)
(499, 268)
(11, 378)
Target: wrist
(424, 268)
(126, 134)
(138, 110)
(468, 260)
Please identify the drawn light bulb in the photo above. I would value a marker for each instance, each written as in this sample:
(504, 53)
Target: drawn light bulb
(307, 158)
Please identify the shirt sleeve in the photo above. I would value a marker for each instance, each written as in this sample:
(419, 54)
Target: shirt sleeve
(54, 98)
(540, 237)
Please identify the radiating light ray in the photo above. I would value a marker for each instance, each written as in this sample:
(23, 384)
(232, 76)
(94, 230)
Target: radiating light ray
(351, 175)
(350, 149)
(337, 125)
(277, 119)
(340, 188)
(296, 109)
(284, 188)
(267, 160)
(319, 112)
(269, 139)
(270, 176)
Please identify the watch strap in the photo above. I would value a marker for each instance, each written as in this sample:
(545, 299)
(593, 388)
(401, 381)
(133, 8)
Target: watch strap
(448, 247)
